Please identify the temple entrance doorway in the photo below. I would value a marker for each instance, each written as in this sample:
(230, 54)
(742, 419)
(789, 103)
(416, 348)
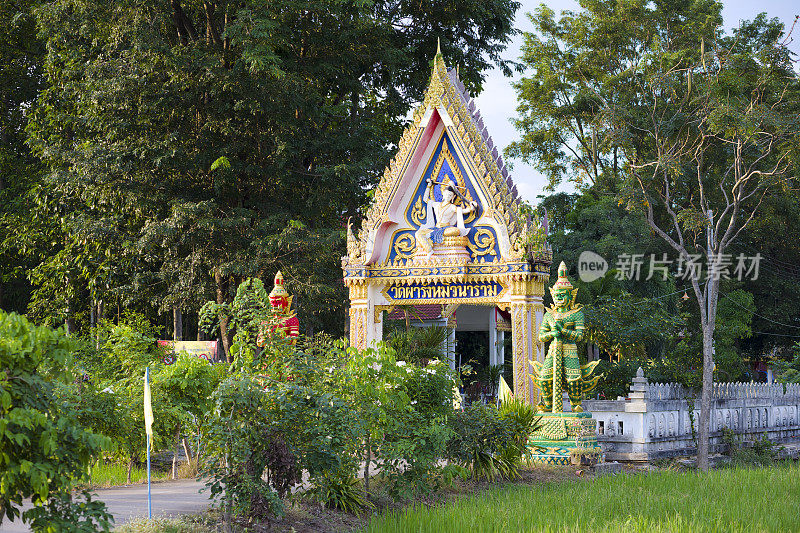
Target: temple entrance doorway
(480, 349)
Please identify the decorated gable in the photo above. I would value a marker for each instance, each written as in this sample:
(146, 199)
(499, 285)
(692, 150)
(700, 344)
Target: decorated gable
(446, 199)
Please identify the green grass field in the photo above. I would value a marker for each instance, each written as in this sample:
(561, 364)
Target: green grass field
(113, 474)
(727, 500)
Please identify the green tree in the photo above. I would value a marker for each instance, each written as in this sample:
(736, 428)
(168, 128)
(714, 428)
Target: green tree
(21, 79)
(719, 138)
(44, 451)
(585, 61)
(188, 384)
(692, 128)
(302, 99)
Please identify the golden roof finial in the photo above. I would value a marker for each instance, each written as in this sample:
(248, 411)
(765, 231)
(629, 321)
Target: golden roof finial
(438, 47)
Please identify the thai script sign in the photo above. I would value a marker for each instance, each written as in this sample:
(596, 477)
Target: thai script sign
(204, 349)
(455, 290)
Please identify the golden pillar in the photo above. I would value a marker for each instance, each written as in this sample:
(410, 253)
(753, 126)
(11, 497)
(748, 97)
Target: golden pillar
(359, 316)
(526, 312)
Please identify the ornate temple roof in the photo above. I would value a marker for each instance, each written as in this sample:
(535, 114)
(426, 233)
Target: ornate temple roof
(471, 149)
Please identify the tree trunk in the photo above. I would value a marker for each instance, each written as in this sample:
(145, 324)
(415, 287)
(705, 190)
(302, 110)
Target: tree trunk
(130, 469)
(198, 451)
(187, 450)
(366, 467)
(223, 320)
(98, 318)
(708, 375)
(69, 322)
(177, 324)
(705, 400)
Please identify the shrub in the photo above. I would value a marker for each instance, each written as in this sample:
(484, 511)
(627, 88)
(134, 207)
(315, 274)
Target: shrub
(43, 448)
(479, 434)
(264, 433)
(758, 452)
(523, 420)
(340, 490)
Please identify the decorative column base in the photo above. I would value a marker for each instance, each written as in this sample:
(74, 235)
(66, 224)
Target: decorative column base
(558, 435)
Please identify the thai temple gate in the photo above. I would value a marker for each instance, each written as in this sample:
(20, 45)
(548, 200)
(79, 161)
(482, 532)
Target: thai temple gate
(445, 228)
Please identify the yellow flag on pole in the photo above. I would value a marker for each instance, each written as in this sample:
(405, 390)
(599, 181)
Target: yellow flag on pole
(504, 391)
(148, 405)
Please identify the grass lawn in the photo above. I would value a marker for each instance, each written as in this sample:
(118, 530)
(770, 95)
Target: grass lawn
(113, 474)
(726, 500)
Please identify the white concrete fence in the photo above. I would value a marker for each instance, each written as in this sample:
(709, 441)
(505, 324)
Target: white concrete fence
(656, 420)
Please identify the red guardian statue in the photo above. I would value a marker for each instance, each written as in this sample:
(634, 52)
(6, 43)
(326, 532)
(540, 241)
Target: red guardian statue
(285, 319)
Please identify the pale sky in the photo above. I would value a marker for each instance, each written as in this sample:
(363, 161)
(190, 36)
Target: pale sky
(498, 101)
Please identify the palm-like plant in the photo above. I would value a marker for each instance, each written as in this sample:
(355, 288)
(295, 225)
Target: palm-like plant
(419, 344)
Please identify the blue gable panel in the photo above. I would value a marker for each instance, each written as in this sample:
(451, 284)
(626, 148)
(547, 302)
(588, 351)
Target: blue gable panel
(444, 171)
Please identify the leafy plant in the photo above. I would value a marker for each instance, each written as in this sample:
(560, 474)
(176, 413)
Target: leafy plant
(418, 345)
(479, 435)
(43, 448)
(789, 371)
(757, 452)
(263, 433)
(342, 491)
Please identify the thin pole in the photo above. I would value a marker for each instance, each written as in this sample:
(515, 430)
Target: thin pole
(149, 498)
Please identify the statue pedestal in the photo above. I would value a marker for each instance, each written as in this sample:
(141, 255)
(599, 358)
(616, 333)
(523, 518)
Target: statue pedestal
(453, 249)
(560, 433)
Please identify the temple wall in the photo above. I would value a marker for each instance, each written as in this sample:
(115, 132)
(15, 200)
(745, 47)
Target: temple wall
(654, 421)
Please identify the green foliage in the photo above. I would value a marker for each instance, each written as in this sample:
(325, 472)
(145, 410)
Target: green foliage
(189, 383)
(251, 421)
(119, 350)
(625, 325)
(401, 407)
(418, 344)
(338, 491)
(789, 371)
(587, 59)
(617, 377)
(758, 452)
(523, 420)
(43, 448)
(157, 196)
(480, 433)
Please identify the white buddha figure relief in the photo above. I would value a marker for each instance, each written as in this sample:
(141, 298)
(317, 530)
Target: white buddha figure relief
(444, 219)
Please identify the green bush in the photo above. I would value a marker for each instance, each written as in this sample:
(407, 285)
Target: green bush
(43, 448)
(617, 377)
(479, 434)
(523, 420)
(261, 425)
(337, 490)
(758, 452)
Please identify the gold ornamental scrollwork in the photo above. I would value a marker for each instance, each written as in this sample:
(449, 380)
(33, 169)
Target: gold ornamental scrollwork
(404, 246)
(418, 213)
(484, 243)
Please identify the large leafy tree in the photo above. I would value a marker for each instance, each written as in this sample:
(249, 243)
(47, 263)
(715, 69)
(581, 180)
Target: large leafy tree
(21, 79)
(719, 137)
(692, 129)
(206, 142)
(586, 60)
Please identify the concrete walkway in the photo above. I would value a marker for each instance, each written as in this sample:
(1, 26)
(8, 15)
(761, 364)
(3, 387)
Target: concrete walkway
(170, 498)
